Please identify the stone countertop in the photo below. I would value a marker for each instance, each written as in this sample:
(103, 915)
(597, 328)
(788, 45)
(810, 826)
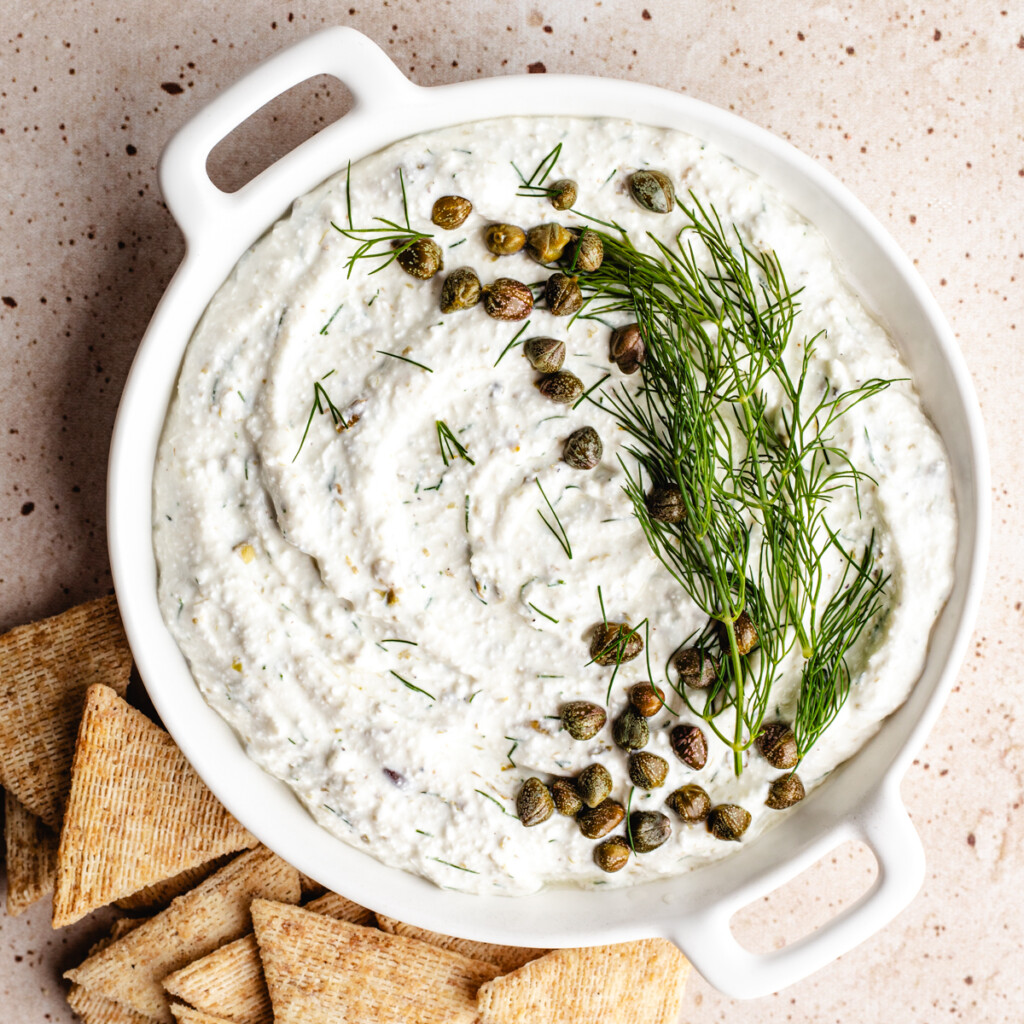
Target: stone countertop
(918, 112)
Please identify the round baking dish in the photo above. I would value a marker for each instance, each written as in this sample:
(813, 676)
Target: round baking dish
(860, 801)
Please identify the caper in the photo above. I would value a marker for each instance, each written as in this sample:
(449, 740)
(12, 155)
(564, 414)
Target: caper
(630, 730)
(563, 193)
(785, 791)
(562, 387)
(422, 259)
(583, 448)
(615, 643)
(690, 746)
(647, 770)
(728, 822)
(546, 242)
(697, 669)
(648, 830)
(508, 300)
(563, 294)
(583, 720)
(612, 854)
(691, 803)
(450, 211)
(666, 504)
(594, 784)
(534, 803)
(546, 355)
(627, 349)
(595, 822)
(504, 239)
(461, 290)
(652, 190)
(647, 699)
(745, 632)
(587, 252)
(778, 745)
(566, 797)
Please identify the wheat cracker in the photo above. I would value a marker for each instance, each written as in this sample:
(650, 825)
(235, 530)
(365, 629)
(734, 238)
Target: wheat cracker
(31, 856)
(156, 896)
(186, 1015)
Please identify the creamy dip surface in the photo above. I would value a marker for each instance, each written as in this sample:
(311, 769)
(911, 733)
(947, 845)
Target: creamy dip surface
(393, 636)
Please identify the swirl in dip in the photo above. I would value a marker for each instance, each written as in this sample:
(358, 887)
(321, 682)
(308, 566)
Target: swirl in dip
(393, 633)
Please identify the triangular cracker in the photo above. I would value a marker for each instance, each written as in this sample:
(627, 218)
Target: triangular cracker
(94, 1008)
(229, 981)
(508, 958)
(217, 911)
(137, 812)
(156, 896)
(186, 1015)
(333, 972)
(629, 983)
(31, 856)
(45, 669)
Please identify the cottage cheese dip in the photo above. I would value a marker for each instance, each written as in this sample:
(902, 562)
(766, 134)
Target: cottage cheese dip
(392, 633)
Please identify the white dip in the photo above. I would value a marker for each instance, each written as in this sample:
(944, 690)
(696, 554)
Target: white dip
(284, 579)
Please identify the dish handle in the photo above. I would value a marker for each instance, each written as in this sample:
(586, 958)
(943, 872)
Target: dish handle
(199, 207)
(707, 938)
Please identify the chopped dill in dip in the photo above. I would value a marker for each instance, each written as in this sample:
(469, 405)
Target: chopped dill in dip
(420, 536)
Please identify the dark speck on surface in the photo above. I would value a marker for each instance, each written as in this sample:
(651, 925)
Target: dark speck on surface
(28, 508)
(130, 150)
(9, 301)
(645, 14)
(536, 68)
(172, 87)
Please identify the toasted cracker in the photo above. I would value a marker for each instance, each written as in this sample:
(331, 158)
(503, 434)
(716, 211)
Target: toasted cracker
(332, 972)
(186, 1015)
(156, 896)
(31, 856)
(310, 886)
(341, 909)
(137, 812)
(194, 925)
(97, 1009)
(507, 958)
(45, 669)
(629, 983)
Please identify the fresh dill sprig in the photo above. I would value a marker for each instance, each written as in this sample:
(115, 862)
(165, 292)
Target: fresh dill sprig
(323, 330)
(405, 359)
(512, 750)
(550, 618)
(394, 237)
(512, 343)
(458, 867)
(495, 800)
(411, 686)
(320, 400)
(533, 187)
(559, 534)
(586, 394)
(451, 447)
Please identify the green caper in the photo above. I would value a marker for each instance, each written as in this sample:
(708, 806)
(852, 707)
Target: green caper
(422, 259)
(587, 252)
(666, 504)
(461, 290)
(691, 803)
(612, 854)
(615, 643)
(546, 242)
(648, 830)
(647, 699)
(566, 797)
(745, 632)
(504, 239)
(507, 299)
(583, 720)
(728, 822)
(647, 770)
(652, 190)
(563, 193)
(594, 784)
(546, 355)
(534, 803)
(627, 349)
(690, 746)
(595, 822)
(630, 730)
(778, 745)
(450, 211)
(785, 791)
(562, 387)
(563, 294)
(583, 448)
(697, 669)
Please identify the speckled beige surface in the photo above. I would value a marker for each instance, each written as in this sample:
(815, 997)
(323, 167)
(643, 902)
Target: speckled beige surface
(919, 111)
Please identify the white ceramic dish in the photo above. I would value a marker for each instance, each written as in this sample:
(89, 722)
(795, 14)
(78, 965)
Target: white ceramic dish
(860, 801)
